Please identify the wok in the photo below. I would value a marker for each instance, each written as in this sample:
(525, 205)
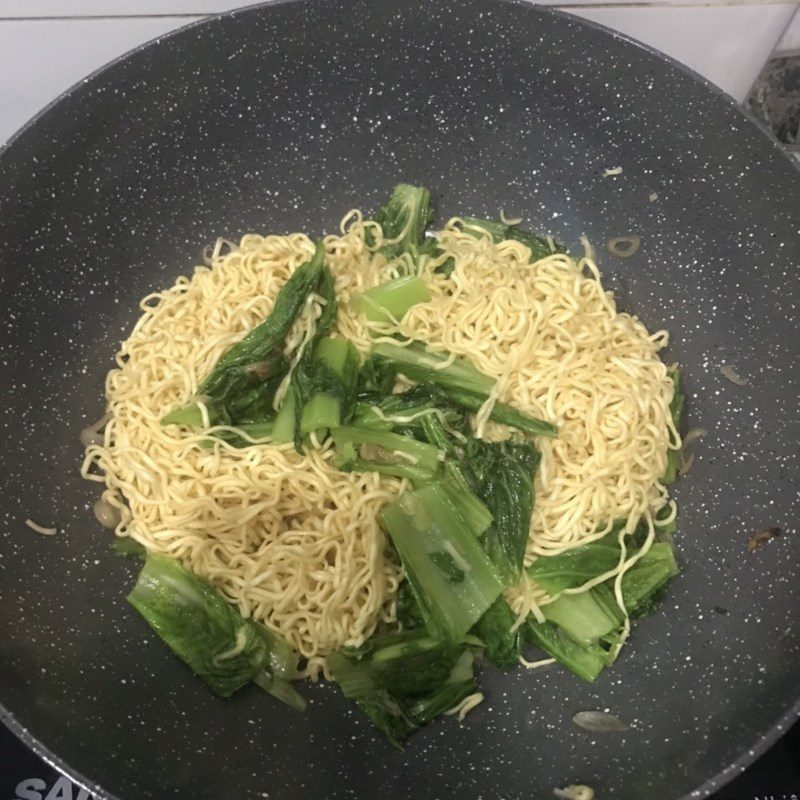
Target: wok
(280, 118)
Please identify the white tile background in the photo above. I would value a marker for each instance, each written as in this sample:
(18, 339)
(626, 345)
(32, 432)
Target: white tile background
(48, 45)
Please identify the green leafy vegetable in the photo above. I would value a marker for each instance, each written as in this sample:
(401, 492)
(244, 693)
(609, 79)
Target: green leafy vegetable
(499, 231)
(640, 583)
(314, 376)
(505, 414)
(332, 397)
(495, 630)
(585, 662)
(128, 547)
(463, 383)
(404, 219)
(415, 361)
(573, 568)
(241, 388)
(375, 380)
(676, 410)
(386, 447)
(408, 613)
(540, 248)
(502, 473)
(586, 617)
(402, 681)
(425, 522)
(391, 300)
(643, 582)
(496, 230)
(348, 460)
(389, 411)
(203, 630)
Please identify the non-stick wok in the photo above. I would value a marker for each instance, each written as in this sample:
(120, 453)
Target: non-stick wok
(280, 118)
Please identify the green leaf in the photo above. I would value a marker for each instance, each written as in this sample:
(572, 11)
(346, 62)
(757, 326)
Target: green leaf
(645, 579)
(573, 568)
(408, 613)
(242, 386)
(269, 334)
(495, 630)
(203, 630)
(404, 218)
(401, 681)
(375, 379)
(641, 583)
(503, 473)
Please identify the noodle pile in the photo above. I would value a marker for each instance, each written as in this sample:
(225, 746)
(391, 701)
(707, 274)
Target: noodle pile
(295, 543)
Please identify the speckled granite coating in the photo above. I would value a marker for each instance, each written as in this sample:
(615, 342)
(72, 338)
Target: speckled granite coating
(281, 118)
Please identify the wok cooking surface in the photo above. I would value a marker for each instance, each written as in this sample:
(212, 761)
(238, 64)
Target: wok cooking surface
(280, 118)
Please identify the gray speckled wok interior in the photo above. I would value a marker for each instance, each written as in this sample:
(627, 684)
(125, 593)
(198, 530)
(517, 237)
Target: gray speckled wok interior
(281, 118)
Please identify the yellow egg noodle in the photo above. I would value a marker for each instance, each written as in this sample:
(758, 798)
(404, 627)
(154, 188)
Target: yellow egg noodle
(295, 543)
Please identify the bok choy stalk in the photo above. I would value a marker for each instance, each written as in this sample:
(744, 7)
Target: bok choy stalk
(464, 384)
(203, 630)
(401, 681)
(386, 447)
(313, 376)
(331, 400)
(586, 617)
(418, 363)
(585, 662)
(241, 387)
(581, 631)
(453, 580)
(392, 299)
